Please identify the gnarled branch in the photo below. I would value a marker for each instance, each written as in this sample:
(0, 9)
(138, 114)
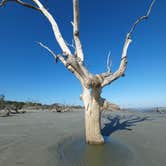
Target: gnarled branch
(142, 18)
(72, 63)
(108, 77)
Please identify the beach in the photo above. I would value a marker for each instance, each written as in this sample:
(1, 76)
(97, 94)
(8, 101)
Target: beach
(53, 139)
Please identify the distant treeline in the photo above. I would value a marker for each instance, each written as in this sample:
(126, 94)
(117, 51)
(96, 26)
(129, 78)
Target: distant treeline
(16, 105)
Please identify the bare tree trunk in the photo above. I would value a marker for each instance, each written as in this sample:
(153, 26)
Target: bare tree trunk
(91, 99)
(93, 124)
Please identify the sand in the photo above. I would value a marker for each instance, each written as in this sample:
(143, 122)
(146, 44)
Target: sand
(54, 139)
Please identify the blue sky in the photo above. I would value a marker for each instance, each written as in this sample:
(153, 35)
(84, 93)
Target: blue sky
(29, 73)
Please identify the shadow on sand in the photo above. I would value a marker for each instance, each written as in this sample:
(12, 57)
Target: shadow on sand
(115, 123)
(74, 151)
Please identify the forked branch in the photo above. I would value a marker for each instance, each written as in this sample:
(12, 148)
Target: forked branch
(109, 78)
(72, 63)
(123, 64)
(68, 63)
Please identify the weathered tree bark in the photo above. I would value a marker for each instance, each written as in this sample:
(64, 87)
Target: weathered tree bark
(74, 62)
(92, 102)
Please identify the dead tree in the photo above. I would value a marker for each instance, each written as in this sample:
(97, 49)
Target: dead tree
(91, 84)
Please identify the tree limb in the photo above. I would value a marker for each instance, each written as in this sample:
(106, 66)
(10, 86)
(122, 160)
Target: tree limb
(65, 62)
(41, 8)
(120, 72)
(146, 16)
(70, 63)
(109, 78)
(106, 105)
(3, 2)
(27, 5)
(74, 65)
(55, 28)
(50, 51)
(76, 30)
(109, 62)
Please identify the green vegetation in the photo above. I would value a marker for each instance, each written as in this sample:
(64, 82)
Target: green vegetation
(15, 106)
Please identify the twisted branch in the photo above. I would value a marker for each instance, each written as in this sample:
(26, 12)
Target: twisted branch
(108, 77)
(146, 16)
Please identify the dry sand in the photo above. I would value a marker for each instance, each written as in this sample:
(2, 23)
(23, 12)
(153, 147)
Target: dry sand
(53, 139)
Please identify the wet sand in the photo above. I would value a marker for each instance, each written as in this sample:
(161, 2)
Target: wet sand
(54, 139)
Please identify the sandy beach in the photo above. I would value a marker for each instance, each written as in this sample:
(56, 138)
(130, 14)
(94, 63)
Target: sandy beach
(53, 139)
